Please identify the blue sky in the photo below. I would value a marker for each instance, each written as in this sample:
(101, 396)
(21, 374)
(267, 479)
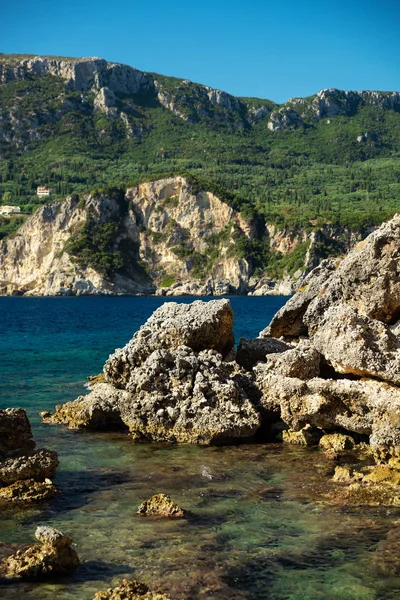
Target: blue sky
(272, 50)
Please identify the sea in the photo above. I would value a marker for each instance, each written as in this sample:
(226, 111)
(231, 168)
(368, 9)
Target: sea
(257, 526)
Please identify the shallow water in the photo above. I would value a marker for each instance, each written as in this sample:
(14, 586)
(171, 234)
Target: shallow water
(256, 528)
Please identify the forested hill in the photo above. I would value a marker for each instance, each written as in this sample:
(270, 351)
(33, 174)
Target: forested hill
(80, 124)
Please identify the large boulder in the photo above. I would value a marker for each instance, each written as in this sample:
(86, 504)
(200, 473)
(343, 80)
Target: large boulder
(354, 343)
(15, 433)
(199, 325)
(55, 556)
(39, 466)
(367, 279)
(25, 474)
(176, 395)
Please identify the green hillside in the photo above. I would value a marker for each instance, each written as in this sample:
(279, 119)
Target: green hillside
(304, 174)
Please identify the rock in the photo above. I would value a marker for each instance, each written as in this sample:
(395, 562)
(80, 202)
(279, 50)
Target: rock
(38, 466)
(386, 557)
(160, 505)
(356, 344)
(343, 474)
(383, 474)
(28, 491)
(336, 442)
(99, 410)
(307, 436)
(303, 362)
(130, 590)
(250, 352)
(55, 556)
(366, 407)
(178, 395)
(15, 433)
(367, 279)
(288, 321)
(175, 395)
(199, 325)
(25, 474)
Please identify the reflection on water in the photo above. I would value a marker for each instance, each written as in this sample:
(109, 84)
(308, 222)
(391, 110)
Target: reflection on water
(256, 528)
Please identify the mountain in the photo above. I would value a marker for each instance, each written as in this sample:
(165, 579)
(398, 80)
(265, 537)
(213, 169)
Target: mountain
(310, 168)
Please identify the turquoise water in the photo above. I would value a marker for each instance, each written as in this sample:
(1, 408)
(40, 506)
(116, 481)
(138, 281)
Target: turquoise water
(256, 528)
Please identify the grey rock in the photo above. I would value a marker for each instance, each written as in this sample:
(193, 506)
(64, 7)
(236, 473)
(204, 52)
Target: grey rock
(199, 325)
(366, 407)
(250, 352)
(15, 432)
(355, 344)
(303, 362)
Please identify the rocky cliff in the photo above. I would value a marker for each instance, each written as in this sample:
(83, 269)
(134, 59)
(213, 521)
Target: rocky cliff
(164, 236)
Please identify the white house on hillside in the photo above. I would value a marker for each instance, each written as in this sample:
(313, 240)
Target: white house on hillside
(43, 191)
(8, 210)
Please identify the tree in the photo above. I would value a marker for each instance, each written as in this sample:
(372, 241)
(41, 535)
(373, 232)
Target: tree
(7, 197)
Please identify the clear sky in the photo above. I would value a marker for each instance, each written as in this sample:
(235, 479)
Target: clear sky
(268, 49)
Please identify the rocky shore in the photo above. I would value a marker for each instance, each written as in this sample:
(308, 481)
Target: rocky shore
(332, 378)
(25, 473)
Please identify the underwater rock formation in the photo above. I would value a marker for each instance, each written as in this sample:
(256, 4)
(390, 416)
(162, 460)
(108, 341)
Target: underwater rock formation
(160, 505)
(130, 590)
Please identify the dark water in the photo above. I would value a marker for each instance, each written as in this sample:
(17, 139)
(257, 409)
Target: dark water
(257, 529)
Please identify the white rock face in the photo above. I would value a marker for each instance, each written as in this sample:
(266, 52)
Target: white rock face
(80, 74)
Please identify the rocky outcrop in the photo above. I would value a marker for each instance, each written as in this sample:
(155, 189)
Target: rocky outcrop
(78, 73)
(160, 505)
(250, 352)
(345, 377)
(163, 390)
(130, 590)
(25, 473)
(55, 556)
(198, 325)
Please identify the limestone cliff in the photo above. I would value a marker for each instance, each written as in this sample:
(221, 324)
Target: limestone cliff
(163, 236)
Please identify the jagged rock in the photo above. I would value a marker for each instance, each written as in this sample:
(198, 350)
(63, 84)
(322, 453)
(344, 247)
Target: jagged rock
(367, 279)
(283, 119)
(303, 362)
(160, 505)
(15, 433)
(175, 395)
(98, 410)
(38, 466)
(366, 407)
(55, 556)
(130, 590)
(353, 343)
(308, 436)
(250, 352)
(343, 474)
(336, 442)
(288, 321)
(199, 325)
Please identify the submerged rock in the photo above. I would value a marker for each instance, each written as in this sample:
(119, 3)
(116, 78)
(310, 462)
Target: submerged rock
(55, 556)
(130, 590)
(160, 505)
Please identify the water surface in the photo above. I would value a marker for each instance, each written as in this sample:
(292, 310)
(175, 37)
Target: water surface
(255, 531)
